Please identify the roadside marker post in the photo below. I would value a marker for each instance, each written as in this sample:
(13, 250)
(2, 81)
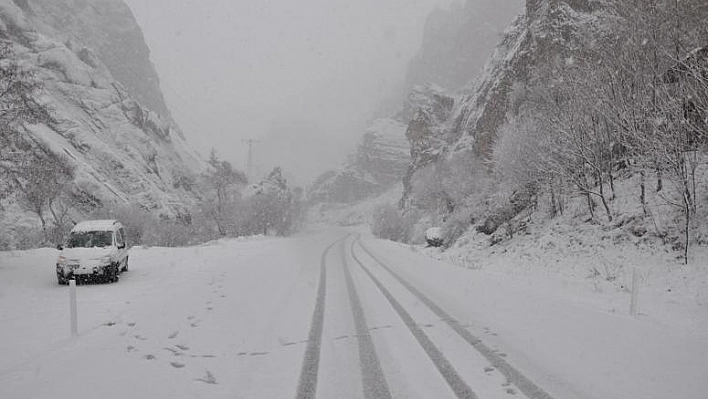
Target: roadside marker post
(72, 308)
(634, 302)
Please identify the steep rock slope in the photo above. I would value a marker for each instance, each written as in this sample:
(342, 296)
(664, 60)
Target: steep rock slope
(109, 29)
(550, 32)
(122, 151)
(380, 161)
(458, 41)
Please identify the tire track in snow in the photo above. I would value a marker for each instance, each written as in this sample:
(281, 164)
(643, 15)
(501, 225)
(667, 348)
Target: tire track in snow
(307, 386)
(374, 381)
(456, 383)
(526, 386)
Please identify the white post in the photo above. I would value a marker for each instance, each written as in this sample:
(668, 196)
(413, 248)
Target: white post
(634, 302)
(72, 308)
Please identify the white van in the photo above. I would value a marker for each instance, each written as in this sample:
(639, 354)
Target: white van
(95, 249)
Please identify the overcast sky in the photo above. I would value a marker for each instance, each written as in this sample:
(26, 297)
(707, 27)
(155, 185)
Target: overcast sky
(230, 69)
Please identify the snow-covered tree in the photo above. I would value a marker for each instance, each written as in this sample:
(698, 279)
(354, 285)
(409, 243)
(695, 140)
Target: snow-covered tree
(271, 205)
(222, 194)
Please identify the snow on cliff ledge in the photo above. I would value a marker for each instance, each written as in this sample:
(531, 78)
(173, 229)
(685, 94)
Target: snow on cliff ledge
(123, 152)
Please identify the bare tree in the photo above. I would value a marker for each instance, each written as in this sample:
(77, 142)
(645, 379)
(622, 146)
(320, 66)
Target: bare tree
(27, 165)
(222, 192)
(43, 178)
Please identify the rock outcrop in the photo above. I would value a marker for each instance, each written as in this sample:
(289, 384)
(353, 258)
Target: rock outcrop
(109, 118)
(458, 41)
(108, 29)
(548, 34)
(380, 162)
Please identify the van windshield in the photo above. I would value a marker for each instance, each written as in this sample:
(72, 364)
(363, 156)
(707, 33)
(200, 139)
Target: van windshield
(89, 239)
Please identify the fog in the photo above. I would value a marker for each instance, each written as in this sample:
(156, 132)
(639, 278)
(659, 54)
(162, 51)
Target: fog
(291, 73)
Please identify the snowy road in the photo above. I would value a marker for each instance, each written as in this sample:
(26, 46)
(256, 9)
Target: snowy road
(329, 315)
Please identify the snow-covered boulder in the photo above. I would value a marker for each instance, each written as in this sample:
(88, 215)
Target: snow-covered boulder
(434, 237)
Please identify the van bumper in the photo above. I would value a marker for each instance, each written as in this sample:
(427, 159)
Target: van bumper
(69, 272)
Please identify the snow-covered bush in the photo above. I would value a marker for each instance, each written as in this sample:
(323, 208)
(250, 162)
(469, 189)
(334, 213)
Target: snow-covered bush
(389, 224)
(171, 233)
(456, 225)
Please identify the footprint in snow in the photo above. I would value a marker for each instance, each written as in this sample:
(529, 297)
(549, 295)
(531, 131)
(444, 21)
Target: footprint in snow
(174, 351)
(258, 353)
(190, 317)
(177, 365)
(183, 347)
(140, 337)
(511, 391)
(131, 324)
(208, 379)
(149, 357)
(130, 348)
(488, 369)
(296, 342)
(242, 354)
(173, 335)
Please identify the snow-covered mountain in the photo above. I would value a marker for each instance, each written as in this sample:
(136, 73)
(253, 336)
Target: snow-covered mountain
(380, 161)
(458, 41)
(549, 30)
(109, 116)
(108, 28)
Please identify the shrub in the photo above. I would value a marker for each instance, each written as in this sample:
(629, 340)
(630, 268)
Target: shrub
(455, 226)
(389, 224)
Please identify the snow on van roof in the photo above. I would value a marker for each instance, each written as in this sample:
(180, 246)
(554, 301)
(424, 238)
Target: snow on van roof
(95, 225)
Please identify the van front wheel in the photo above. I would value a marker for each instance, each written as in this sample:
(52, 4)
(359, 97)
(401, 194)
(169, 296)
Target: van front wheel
(112, 273)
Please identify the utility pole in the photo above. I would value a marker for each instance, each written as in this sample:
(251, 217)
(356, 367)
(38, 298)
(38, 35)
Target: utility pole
(249, 167)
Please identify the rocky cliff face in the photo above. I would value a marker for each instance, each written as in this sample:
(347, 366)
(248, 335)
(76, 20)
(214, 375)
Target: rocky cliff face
(380, 161)
(550, 33)
(108, 115)
(108, 28)
(428, 131)
(458, 41)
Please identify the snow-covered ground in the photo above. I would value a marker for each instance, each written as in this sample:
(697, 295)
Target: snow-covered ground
(232, 319)
(209, 321)
(574, 336)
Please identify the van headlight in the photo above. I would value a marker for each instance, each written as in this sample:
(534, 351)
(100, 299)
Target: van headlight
(61, 261)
